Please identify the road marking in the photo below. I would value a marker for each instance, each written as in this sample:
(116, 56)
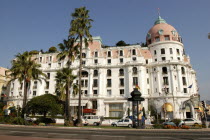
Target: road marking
(109, 136)
(21, 132)
(62, 134)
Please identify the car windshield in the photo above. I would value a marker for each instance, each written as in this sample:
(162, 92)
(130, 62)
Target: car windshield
(120, 121)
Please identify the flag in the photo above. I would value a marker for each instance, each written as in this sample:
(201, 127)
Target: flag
(190, 86)
(137, 87)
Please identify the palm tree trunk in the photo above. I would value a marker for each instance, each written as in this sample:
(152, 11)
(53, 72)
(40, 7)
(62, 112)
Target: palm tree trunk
(26, 84)
(80, 72)
(69, 121)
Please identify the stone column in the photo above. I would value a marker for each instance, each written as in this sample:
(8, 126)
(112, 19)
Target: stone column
(179, 77)
(90, 83)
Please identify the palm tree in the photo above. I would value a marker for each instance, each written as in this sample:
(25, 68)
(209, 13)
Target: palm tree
(80, 26)
(25, 69)
(65, 78)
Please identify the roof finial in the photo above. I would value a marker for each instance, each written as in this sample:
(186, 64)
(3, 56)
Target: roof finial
(158, 10)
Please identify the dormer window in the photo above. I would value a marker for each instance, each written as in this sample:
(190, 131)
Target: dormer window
(134, 52)
(167, 37)
(121, 52)
(96, 54)
(157, 39)
(109, 53)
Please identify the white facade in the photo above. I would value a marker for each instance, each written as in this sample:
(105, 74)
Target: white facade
(162, 71)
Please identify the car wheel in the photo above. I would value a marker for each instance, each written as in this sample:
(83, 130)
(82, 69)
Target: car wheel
(195, 123)
(114, 125)
(95, 123)
(130, 126)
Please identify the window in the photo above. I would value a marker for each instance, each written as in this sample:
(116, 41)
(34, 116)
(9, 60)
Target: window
(34, 93)
(95, 92)
(82, 83)
(83, 62)
(49, 65)
(116, 110)
(171, 51)
(185, 90)
(35, 85)
(40, 59)
(109, 82)
(86, 92)
(178, 58)
(121, 52)
(155, 52)
(134, 52)
(147, 80)
(183, 70)
(47, 85)
(177, 51)
(121, 82)
(165, 80)
(83, 55)
(135, 80)
(163, 58)
(95, 83)
(95, 106)
(46, 92)
(109, 92)
(95, 73)
(48, 75)
(135, 70)
(121, 91)
(162, 51)
(96, 54)
(134, 58)
(109, 53)
(147, 71)
(121, 72)
(96, 61)
(167, 37)
(86, 83)
(155, 60)
(59, 64)
(109, 61)
(121, 60)
(109, 73)
(146, 61)
(164, 70)
(157, 39)
(184, 81)
(50, 58)
(84, 74)
(21, 86)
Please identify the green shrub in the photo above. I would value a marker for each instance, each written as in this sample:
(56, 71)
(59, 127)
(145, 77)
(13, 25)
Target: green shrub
(158, 126)
(176, 121)
(18, 120)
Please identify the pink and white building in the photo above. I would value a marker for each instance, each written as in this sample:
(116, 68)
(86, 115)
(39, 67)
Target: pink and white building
(162, 71)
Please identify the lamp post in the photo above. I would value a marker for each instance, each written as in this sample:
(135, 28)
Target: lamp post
(136, 101)
(18, 108)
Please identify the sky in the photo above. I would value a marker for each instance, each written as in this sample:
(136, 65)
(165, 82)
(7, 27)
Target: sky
(27, 25)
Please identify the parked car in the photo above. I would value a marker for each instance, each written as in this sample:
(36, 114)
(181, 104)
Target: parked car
(169, 123)
(123, 122)
(92, 120)
(190, 121)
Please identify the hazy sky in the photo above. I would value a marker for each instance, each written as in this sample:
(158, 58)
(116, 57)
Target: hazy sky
(27, 25)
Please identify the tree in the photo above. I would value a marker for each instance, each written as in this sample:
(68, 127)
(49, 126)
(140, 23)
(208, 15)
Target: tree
(52, 49)
(34, 52)
(80, 26)
(44, 104)
(64, 79)
(25, 69)
(209, 35)
(121, 43)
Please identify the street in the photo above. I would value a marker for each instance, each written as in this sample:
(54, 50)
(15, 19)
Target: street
(60, 133)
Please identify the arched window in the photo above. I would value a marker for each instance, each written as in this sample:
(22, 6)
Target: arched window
(121, 72)
(134, 70)
(84, 74)
(183, 70)
(134, 52)
(121, 52)
(83, 55)
(164, 70)
(95, 73)
(109, 73)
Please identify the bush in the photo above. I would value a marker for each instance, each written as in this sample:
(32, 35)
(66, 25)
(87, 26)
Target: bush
(158, 126)
(18, 120)
(170, 127)
(176, 121)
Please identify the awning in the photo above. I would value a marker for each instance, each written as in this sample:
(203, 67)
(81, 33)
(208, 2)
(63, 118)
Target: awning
(76, 102)
(167, 107)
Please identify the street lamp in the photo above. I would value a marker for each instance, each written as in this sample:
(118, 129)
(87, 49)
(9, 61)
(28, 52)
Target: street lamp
(136, 101)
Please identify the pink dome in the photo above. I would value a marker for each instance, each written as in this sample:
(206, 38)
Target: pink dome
(162, 31)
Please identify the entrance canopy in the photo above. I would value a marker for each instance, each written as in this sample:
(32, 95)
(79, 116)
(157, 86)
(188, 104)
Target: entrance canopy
(76, 102)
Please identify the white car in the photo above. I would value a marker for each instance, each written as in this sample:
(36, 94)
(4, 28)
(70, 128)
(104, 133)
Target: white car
(190, 121)
(123, 122)
(92, 119)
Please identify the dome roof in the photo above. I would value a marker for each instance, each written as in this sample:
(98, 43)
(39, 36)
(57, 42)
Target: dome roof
(161, 31)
